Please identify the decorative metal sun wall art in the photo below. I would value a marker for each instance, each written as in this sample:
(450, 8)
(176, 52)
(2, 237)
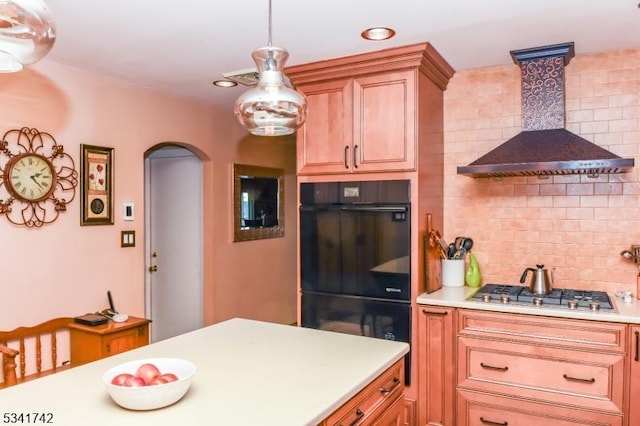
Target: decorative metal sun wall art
(39, 179)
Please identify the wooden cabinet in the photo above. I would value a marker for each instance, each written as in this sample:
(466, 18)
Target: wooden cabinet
(364, 110)
(392, 416)
(89, 343)
(361, 124)
(564, 371)
(379, 116)
(634, 374)
(436, 366)
(380, 403)
(324, 142)
(481, 409)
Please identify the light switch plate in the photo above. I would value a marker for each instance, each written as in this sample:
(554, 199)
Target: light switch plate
(127, 211)
(127, 238)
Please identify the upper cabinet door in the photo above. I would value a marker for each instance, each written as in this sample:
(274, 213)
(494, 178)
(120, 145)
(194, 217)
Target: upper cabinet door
(364, 124)
(364, 111)
(324, 141)
(384, 128)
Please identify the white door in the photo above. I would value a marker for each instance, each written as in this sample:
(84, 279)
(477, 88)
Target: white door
(173, 202)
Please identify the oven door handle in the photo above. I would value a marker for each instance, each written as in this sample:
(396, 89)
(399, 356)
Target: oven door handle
(355, 208)
(391, 209)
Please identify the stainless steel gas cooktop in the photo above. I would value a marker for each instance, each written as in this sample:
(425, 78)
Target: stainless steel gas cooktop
(569, 299)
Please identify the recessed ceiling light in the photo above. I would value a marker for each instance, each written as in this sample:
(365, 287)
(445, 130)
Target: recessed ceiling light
(377, 33)
(225, 83)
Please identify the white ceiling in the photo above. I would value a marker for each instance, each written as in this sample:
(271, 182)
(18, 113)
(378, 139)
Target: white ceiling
(181, 46)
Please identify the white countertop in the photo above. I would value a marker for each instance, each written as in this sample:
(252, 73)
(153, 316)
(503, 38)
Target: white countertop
(456, 297)
(248, 373)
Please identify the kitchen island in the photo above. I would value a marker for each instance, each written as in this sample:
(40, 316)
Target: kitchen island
(248, 373)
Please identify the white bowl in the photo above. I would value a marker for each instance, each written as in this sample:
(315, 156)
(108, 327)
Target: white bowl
(153, 396)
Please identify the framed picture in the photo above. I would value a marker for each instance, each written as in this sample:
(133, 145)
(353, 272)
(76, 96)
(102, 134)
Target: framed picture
(96, 170)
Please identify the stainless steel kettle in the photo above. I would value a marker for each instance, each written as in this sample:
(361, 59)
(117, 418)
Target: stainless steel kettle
(540, 282)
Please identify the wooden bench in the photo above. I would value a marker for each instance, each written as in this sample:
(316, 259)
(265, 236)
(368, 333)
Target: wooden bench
(16, 357)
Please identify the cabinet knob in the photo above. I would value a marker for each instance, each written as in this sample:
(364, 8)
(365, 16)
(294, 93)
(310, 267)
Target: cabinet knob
(359, 416)
(153, 268)
(395, 383)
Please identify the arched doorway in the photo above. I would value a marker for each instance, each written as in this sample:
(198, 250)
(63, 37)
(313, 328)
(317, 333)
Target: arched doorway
(173, 246)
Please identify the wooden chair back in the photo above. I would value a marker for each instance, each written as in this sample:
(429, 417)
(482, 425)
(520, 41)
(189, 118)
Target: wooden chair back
(15, 344)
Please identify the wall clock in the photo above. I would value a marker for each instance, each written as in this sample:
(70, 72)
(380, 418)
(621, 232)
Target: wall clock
(38, 178)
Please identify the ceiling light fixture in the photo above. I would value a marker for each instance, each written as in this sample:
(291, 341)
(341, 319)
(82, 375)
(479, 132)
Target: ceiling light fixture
(27, 33)
(377, 33)
(224, 83)
(271, 108)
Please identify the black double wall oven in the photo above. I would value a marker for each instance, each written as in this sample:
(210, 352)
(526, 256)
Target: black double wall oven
(355, 259)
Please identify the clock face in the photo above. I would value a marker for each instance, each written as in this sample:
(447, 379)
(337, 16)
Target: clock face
(30, 177)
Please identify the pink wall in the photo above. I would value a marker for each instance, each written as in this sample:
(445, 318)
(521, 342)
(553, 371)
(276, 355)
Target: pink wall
(575, 223)
(63, 269)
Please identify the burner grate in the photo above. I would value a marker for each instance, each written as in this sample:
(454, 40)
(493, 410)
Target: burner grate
(558, 298)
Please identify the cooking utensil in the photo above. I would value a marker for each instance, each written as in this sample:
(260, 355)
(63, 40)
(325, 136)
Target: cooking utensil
(451, 251)
(443, 244)
(540, 281)
(462, 247)
(467, 244)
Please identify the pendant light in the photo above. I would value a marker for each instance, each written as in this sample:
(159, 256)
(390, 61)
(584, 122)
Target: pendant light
(27, 33)
(272, 108)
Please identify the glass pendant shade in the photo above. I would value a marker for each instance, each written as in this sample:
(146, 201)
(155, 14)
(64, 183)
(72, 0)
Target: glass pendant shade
(272, 108)
(27, 33)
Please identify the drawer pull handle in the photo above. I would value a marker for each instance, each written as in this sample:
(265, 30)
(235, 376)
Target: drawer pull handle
(637, 357)
(577, 379)
(489, 422)
(442, 314)
(492, 367)
(359, 416)
(395, 384)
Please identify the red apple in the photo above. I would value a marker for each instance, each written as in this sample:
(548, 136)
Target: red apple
(169, 377)
(158, 381)
(147, 372)
(121, 379)
(135, 381)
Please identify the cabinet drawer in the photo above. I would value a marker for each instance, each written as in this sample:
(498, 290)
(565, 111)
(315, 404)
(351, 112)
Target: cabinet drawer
(392, 416)
(372, 400)
(544, 330)
(477, 409)
(579, 378)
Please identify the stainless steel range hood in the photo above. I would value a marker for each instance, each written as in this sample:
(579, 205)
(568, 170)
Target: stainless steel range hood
(545, 147)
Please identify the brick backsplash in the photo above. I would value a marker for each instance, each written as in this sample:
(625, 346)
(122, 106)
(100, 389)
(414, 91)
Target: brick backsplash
(577, 224)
